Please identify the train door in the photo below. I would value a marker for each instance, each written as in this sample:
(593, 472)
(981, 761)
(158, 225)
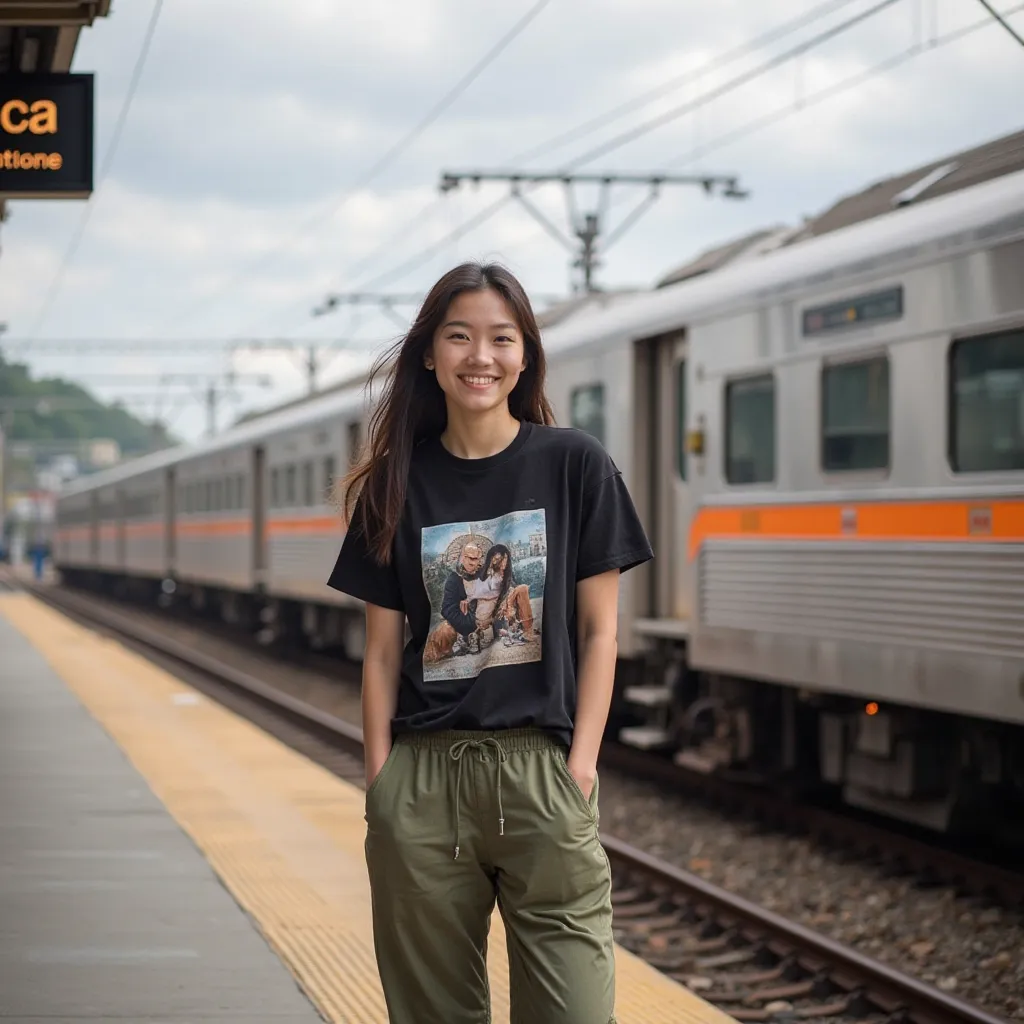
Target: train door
(258, 515)
(664, 494)
(170, 521)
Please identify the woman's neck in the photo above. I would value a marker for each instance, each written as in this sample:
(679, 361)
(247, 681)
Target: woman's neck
(477, 437)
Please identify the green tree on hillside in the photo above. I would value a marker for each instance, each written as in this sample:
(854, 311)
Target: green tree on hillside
(92, 420)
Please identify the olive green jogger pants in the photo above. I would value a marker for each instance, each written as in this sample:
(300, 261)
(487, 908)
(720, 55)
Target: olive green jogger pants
(457, 821)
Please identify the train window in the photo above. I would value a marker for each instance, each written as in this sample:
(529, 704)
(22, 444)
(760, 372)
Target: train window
(275, 488)
(986, 415)
(240, 494)
(855, 416)
(289, 486)
(353, 435)
(586, 410)
(681, 419)
(328, 478)
(308, 486)
(750, 430)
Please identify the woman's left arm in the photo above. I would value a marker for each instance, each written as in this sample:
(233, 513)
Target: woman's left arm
(597, 618)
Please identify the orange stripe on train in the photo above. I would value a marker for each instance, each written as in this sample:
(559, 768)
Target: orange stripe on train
(922, 521)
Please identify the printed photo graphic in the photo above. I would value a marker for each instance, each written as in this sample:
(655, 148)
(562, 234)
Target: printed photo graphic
(485, 581)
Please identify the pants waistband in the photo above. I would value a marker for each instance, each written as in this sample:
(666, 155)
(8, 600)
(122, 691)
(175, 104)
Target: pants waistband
(511, 740)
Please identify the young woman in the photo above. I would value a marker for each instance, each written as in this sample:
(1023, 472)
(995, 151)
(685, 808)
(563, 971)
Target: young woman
(481, 761)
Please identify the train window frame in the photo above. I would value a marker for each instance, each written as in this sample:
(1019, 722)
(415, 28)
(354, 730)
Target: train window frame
(680, 401)
(353, 440)
(594, 387)
(275, 487)
(290, 485)
(330, 469)
(831, 365)
(727, 432)
(308, 483)
(959, 343)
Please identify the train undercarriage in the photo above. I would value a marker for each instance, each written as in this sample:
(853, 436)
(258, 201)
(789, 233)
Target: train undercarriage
(942, 772)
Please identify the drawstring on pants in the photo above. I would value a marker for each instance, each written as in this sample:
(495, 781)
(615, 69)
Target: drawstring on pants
(455, 752)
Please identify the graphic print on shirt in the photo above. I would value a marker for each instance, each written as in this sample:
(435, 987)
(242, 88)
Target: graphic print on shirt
(485, 581)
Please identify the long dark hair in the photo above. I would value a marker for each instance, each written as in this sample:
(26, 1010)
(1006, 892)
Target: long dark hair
(506, 576)
(412, 405)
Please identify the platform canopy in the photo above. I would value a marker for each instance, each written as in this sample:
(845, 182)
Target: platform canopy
(41, 35)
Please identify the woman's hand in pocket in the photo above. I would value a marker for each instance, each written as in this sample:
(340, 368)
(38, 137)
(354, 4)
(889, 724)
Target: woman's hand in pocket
(374, 764)
(584, 775)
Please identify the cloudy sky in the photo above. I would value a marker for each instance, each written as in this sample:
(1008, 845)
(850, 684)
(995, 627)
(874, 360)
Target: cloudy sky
(241, 191)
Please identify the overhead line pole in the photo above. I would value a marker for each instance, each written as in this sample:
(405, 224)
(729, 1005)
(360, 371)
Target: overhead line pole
(588, 228)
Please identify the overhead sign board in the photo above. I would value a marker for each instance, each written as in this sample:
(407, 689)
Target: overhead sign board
(46, 136)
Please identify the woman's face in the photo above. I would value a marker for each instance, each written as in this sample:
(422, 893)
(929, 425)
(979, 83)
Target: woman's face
(478, 352)
(498, 563)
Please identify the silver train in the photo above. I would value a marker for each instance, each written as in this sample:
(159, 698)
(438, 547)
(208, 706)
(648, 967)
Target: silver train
(826, 444)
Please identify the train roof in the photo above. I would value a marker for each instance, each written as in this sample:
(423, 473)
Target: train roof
(939, 177)
(289, 418)
(993, 208)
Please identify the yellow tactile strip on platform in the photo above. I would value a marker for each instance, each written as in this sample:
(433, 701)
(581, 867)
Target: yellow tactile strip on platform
(284, 835)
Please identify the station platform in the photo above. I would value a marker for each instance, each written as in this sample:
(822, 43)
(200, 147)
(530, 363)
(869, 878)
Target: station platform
(162, 859)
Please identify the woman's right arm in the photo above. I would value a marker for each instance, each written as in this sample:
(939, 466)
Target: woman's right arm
(382, 665)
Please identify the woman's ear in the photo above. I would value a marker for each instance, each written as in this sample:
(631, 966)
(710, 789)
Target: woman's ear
(428, 359)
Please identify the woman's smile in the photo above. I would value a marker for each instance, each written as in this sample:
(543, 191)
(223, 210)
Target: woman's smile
(478, 382)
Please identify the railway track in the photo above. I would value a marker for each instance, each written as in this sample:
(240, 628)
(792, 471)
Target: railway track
(752, 963)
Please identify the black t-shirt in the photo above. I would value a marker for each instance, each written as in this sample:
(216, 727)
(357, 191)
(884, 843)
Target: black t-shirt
(485, 564)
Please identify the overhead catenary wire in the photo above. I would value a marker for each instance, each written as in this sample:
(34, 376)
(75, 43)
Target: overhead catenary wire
(108, 160)
(185, 346)
(1001, 18)
(392, 154)
(369, 258)
(624, 138)
(805, 102)
(641, 100)
(822, 10)
(664, 88)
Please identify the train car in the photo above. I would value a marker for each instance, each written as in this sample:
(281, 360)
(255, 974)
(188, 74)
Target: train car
(858, 540)
(825, 445)
(830, 462)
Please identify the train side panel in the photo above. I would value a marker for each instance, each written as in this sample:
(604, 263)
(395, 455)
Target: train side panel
(304, 527)
(73, 538)
(109, 535)
(213, 520)
(848, 554)
(145, 525)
